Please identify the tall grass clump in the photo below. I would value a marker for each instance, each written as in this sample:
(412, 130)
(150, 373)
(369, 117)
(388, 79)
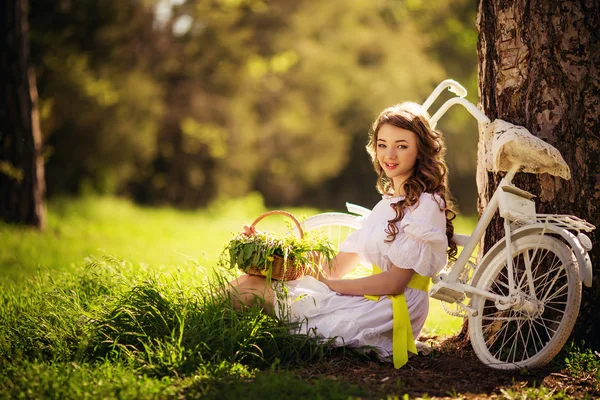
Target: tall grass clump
(78, 323)
(159, 325)
(168, 329)
(44, 319)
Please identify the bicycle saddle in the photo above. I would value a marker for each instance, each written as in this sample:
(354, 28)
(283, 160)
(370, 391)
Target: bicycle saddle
(513, 144)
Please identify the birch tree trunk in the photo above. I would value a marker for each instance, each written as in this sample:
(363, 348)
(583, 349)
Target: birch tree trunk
(22, 186)
(539, 67)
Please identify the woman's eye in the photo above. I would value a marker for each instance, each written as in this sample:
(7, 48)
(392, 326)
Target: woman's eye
(381, 145)
(402, 146)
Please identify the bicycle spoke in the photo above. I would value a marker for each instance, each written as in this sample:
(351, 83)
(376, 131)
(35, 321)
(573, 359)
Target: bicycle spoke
(556, 302)
(504, 339)
(503, 318)
(549, 270)
(504, 285)
(556, 271)
(542, 258)
(536, 334)
(505, 333)
(500, 348)
(518, 334)
(562, 291)
(546, 276)
(513, 350)
(554, 309)
(526, 263)
(533, 270)
(542, 323)
(493, 329)
(542, 280)
(525, 342)
(556, 261)
(533, 335)
(545, 298)
(527, 336)
(550, 320)
(529, 274)
(537, 247)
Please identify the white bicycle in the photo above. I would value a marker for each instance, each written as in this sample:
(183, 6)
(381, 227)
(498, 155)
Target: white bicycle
(523, 295)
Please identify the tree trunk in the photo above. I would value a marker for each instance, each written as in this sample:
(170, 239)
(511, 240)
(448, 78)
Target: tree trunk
(539, 67)
(22, 187)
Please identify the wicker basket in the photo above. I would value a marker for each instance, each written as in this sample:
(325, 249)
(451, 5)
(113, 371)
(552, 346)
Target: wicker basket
(281, 270)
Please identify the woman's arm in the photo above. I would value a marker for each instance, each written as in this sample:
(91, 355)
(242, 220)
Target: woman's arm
(337, 267)
(342, 264)
(389, 282)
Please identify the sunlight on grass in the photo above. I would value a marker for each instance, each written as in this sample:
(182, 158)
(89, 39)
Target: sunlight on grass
(114, 300)
(439, 323)
(160, 239)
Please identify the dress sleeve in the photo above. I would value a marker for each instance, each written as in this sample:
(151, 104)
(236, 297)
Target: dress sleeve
(421, 243)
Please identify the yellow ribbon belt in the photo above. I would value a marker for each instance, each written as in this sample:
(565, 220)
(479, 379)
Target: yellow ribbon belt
(403, 340)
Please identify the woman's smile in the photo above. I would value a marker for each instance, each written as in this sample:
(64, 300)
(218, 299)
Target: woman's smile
(397, 152)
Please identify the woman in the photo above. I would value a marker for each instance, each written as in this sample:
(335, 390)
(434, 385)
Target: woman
(406, 238)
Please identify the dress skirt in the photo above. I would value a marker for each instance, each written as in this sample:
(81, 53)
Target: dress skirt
(353, 321)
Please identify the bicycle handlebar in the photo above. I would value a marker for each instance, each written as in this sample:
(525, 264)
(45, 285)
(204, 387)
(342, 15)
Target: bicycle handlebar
(471, 108)
(452, 86)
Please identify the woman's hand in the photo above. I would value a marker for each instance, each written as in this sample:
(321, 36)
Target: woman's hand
(323, 270)
(389, 282)
(322, 278)
(314, 266)
(318, 264)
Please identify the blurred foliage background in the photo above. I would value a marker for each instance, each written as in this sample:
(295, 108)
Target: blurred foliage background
(186, 102)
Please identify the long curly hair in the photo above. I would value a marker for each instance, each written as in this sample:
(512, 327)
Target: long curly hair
(430, 173)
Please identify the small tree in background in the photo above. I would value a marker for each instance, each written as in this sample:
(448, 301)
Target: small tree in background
(22, 187)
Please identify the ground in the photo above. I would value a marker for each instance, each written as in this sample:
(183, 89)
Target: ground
(452, 370)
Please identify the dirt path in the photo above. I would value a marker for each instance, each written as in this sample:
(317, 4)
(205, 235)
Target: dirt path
(452, 371)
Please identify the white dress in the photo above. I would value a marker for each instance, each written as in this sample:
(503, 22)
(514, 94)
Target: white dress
(355, 321)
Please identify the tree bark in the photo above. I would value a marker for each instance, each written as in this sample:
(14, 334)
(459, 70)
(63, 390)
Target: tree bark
(22, 185)
(539, 67)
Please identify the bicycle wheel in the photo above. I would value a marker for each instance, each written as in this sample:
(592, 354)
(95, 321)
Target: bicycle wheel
(527, 337)
(336, 227)
(333, 226)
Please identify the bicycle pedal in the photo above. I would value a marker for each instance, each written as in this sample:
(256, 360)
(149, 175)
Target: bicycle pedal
(441, 292)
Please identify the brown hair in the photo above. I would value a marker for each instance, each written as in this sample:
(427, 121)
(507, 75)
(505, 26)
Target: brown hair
(430, 173)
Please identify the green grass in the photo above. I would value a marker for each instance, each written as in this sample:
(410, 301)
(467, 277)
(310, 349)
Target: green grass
(537, 393)
(582, 362)
(118, 301)
(160, 238)
(65, 329)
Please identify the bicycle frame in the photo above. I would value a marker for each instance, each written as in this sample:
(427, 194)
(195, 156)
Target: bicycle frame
(452, 86)
(448, 287)
(526, 288)
(451, 280)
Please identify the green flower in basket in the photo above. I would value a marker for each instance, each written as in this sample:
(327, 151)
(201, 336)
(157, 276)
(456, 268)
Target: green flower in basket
(280, 257)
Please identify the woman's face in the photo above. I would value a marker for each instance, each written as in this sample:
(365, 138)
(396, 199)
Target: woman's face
(397, 153)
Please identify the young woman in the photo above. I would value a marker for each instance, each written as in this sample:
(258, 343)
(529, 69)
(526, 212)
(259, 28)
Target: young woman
(405, 237)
